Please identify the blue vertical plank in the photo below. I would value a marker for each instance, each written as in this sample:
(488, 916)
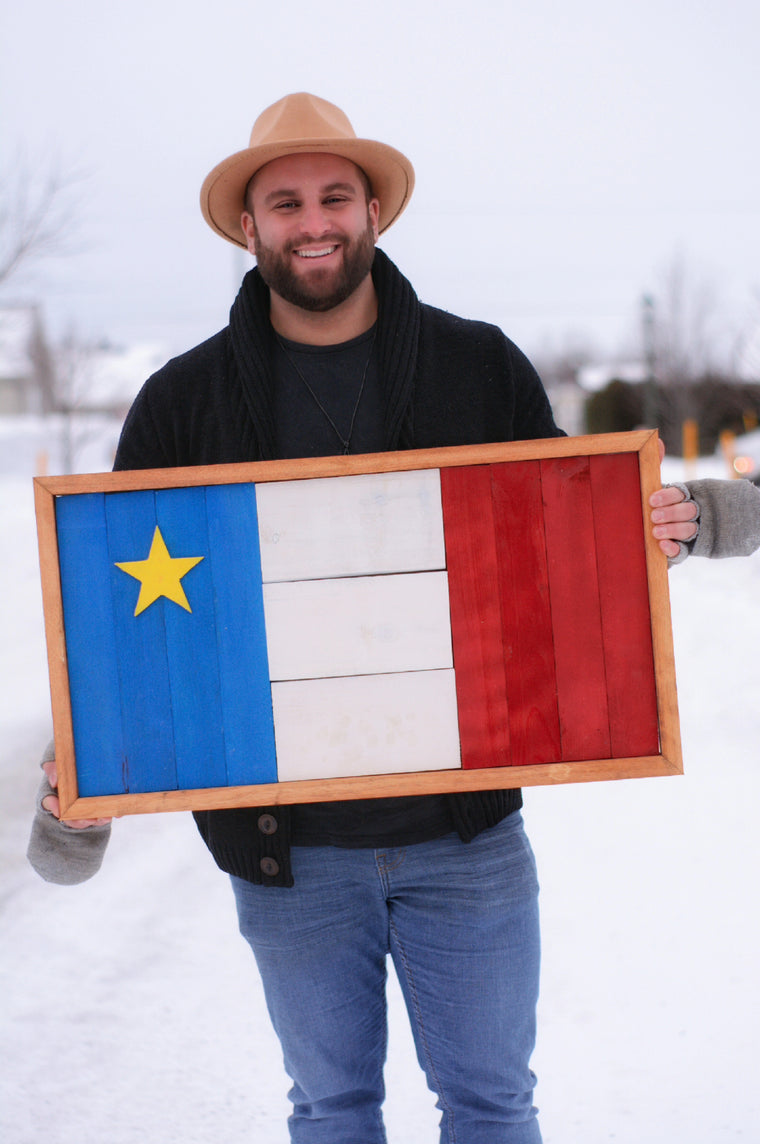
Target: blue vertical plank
(90, 643)
(241, 634)
(191, 645)
(147, 721)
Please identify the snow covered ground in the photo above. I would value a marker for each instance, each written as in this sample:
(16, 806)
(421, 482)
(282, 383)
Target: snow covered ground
(130, 1007)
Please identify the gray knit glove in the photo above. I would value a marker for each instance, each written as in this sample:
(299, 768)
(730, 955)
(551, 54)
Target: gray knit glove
(58, 852)
(684, 546)
(728, 519)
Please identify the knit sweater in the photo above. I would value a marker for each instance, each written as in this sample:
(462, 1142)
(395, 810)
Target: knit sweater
(445, 381)
(728, 518)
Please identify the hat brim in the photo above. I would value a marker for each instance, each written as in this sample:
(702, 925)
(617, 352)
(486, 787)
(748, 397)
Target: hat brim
(223, 192)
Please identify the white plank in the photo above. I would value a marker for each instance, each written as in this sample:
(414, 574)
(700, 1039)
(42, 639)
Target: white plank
(358, 625)
(366, 725)
(351, 526)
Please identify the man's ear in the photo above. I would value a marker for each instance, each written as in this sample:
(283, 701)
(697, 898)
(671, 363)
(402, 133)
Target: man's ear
(246, 222)
(374, 214)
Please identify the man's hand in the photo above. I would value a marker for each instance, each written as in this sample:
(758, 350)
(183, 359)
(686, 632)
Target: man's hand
(673, 519)
(50, 802)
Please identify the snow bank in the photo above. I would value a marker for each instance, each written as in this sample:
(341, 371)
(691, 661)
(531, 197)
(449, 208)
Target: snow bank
(131, 1008)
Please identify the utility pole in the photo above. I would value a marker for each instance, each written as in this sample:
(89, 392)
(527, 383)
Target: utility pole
(650, 360)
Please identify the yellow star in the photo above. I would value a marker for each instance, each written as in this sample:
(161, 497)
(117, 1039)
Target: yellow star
(160, 574)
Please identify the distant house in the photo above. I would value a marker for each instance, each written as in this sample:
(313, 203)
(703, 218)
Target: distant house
(26, 368)
(570, 383)
(61, 407)
(38, 378)
(567, 402)
(598, 375)
(559, 374)
(104, 378)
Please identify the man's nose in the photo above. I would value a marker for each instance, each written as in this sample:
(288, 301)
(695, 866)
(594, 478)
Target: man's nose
(314, 220)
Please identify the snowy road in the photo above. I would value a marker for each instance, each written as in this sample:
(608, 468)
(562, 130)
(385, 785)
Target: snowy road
(131, 1011)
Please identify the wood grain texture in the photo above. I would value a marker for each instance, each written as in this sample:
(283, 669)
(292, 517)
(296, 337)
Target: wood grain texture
(380, 786)
(476, 626)
(526, 613)
(195, 701)
(241, 634)
(140, 651)
(593, 766)
(90, 626)
(301, 469)
(55, 642)
(370, 725)
(659, 600)
(358, 625)
(366, 524)
(576, 614)
(624, 603)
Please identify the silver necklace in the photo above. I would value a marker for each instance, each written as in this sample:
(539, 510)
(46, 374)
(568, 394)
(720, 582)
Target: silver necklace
(345, 441)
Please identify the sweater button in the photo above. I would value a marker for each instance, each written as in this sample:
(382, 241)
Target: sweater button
(269, 867)
(267, 824)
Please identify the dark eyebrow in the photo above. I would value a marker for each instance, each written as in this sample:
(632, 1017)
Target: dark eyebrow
(289, 193)
(349, 187)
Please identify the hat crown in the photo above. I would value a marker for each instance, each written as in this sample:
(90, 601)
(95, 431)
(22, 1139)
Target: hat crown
(300, 117)
(298, 124)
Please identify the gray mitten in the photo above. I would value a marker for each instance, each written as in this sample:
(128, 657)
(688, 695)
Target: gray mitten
(729, 518)
(58, 852)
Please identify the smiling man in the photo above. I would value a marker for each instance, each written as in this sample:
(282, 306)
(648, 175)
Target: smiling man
(329, 350)
(312, 224)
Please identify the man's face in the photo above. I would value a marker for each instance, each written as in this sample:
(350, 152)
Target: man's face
(311, 228)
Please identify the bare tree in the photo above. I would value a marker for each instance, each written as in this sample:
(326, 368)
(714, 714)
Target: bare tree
(37, 213)
(685, 321)
(692, 354)
(746, 354)
(681, 341)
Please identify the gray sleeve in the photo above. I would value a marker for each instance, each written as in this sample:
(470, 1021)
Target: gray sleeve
(56, 851)
(729, 518)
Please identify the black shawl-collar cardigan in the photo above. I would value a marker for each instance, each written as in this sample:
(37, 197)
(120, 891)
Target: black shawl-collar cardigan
(446, 381)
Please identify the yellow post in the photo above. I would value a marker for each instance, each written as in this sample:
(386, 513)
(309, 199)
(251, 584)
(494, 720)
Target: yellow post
(690, 446)
(728, 445)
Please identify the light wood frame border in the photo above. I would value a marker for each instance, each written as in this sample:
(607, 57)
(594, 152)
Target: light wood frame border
(668, 762)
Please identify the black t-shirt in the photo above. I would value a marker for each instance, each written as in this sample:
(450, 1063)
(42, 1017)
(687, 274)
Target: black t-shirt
(327, 398)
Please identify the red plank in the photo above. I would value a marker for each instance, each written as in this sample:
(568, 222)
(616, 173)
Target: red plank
(576, 616)
(624, 599)
(526, 613)
(475, 616)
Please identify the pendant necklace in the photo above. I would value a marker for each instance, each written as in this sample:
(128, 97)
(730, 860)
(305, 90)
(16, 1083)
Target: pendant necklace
(345, 441)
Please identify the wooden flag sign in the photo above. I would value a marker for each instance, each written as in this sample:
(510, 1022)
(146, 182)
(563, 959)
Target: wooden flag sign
(345, 627)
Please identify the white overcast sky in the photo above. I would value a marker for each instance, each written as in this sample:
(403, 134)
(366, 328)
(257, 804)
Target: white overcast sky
(566, 154)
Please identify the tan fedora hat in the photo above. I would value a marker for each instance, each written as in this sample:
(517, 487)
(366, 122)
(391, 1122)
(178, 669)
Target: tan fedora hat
(303, 123)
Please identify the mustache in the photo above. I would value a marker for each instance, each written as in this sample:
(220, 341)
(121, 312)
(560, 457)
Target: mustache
(312, 240)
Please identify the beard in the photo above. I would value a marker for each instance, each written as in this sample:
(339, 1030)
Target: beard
(321, 290)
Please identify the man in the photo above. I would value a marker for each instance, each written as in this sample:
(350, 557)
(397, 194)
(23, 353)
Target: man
(329, 351)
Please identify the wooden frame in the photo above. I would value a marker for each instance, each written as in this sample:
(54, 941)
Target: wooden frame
(571, 459)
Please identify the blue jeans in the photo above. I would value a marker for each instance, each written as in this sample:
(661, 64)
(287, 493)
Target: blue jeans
(461, 924)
